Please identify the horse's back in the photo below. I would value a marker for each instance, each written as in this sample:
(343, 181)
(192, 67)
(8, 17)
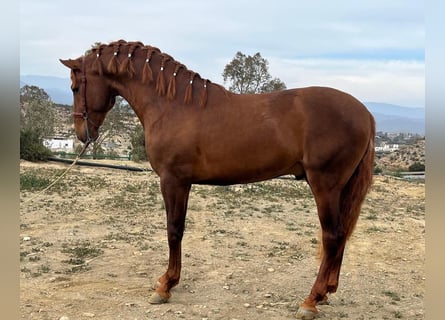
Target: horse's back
(326, 102)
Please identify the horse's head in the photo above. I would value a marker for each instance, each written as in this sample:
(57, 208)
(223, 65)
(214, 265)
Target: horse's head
(93, 98)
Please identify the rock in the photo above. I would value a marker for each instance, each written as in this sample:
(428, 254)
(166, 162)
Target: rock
(270, 269)
(64, 318)
(26, 238)
(88, 314)
(247, 305)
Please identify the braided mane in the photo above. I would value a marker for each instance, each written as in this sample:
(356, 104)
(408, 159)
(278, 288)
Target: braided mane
(136, 60)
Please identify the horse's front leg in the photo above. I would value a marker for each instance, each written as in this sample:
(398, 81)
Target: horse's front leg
(175, 196)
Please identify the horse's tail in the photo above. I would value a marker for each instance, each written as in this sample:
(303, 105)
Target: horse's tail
(354, 193)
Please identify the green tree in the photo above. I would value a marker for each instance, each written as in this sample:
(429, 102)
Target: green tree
(115, 124)
(138, 152)
(250, 74)
(37, 111)
(37, 121)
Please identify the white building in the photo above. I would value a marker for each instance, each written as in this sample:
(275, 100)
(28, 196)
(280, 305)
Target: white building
(387, 147)
(59, 144)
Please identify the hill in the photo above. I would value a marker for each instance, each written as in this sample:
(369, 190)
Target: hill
(402, 159)
(394, 118)
(57, 88)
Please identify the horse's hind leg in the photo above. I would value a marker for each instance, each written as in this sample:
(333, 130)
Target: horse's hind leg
(175, 197)
(333, 242)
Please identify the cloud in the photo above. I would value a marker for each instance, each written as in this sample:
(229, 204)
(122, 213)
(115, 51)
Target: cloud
(392, 81)
(301, 37)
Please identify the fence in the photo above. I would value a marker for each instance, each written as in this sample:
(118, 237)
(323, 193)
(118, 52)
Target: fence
(67, 155)
(413, 175)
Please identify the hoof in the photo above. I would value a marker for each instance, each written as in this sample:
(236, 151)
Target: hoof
(305, 314)
(156, 298)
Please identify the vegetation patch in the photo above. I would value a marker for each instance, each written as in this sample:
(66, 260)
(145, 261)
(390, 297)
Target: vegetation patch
(30, 181)
(79, 253)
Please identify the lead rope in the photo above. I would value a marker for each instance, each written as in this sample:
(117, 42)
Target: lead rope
(61, 176)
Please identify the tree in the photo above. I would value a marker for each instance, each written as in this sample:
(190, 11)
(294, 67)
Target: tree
(138, 152)
(116, 121)
(250, 74)
(37, 121)
(37, 111)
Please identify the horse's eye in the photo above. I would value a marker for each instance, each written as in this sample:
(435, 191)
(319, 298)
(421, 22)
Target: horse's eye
(75, 90)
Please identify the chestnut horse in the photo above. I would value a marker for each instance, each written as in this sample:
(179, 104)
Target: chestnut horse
(196, 132)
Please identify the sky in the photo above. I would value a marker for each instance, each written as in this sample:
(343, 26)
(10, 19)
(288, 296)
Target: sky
(372, 49)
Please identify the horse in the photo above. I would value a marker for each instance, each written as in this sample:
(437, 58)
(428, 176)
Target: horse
(197, 132)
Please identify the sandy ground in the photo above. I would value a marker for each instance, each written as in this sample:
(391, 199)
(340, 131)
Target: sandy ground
(93, 245)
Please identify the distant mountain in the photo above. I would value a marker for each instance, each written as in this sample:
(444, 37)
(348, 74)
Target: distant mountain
(395, 110)
(57, 88)
(394, 118)
(389, 117)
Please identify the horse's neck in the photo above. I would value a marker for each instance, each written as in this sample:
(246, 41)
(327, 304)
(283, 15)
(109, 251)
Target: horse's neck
(149, 106)
(133, 93)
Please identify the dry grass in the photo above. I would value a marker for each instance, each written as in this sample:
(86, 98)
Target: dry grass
(95, 243)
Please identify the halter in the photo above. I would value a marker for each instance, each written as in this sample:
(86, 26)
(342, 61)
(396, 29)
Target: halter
(84, 113)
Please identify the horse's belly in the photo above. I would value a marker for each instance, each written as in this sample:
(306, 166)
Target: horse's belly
(249, 171)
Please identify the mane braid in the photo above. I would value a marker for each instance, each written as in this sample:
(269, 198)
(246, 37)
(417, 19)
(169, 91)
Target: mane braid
(171, 90)
(203, 99)
(113, 65)
(189, 91)
(147, 73)
(127, 65)
(97, 63)
(160, 82)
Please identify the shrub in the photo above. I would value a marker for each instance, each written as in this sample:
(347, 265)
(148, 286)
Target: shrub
(377, 170)
(31, 146)
(416, 166)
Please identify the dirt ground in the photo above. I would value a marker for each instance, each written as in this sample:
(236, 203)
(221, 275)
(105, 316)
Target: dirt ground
(93, 245)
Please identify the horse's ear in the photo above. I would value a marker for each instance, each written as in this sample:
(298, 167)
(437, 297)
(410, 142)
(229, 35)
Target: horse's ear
(72, 64)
